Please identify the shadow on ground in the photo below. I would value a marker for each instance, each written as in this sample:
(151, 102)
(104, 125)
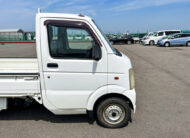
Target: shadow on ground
(38, 112)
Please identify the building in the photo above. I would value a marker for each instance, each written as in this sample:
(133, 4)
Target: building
(11, 34)
(29, 36)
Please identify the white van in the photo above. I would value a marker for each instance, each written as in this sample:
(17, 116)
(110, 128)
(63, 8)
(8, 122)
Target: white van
(152, 40)
(72, 76)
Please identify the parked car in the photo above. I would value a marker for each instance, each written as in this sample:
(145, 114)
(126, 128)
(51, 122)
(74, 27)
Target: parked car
(136, 39)
(152, 40)
(126, 39)
(175, 39)
(146, 36)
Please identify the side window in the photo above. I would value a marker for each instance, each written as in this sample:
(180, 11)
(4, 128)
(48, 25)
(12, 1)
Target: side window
(79, 39)
(70, 43)
(168, 33)
(185, 35)
(171, 32)
(160, 33)
(177, 36)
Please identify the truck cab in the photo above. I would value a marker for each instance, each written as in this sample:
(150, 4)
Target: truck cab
(78, 75)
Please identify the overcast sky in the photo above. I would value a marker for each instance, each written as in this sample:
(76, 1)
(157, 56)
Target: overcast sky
(115, 16)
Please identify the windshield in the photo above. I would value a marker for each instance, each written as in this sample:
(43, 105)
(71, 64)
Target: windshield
(150, 34)
(110, 45)
(155, 33)
(169, 36)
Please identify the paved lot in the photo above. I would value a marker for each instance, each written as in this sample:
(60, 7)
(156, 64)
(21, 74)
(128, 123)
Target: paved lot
(18, 50)
(163, 100)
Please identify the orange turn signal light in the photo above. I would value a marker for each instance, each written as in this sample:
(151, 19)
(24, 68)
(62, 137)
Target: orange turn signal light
(116, 78)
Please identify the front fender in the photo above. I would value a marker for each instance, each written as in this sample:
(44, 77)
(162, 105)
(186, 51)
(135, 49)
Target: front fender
(109, 89)
(94, 97)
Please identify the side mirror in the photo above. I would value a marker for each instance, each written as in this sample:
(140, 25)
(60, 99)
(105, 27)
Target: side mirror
(96, 52)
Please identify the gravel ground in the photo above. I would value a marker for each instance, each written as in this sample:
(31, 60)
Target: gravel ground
(163, 99)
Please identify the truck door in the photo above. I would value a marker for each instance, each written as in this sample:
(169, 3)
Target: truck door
(70, 73)
(159, 36)
(176, 40)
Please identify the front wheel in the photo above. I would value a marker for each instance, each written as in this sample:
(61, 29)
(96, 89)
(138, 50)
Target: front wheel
(188, 43)
(167, 44)
(113, 113)
(151, 43)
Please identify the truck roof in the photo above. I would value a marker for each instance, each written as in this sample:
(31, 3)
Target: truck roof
(63, 15)
(10, 30)
(167, 30)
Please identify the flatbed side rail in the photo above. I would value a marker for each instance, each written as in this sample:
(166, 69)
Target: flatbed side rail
(19, 74)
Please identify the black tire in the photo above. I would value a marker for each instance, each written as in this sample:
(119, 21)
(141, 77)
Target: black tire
(110, 109)
(188, 43)
(167, 44)
(151, 43)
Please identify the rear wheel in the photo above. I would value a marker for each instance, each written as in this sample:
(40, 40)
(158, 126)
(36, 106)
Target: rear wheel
(167, 44)
(151, 43)
(113, 113)
(188, 43)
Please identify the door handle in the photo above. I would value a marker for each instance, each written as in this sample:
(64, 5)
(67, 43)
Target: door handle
(52, 65)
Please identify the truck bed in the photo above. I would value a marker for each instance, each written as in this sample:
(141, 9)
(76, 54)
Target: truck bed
(19, 77)
(18, 65)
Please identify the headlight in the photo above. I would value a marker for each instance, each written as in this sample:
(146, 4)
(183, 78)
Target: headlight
(131, 79)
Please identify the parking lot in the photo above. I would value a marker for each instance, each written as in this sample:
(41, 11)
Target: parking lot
(163, 99)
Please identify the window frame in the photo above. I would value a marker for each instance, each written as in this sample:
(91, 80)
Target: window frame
(71, 24)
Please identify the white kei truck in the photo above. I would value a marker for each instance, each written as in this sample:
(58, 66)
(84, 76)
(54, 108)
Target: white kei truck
(72, 76)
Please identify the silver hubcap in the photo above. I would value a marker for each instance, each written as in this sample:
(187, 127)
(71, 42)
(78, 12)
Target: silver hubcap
(166, 44)
(113, 114)
(129, 42)
(188, 44)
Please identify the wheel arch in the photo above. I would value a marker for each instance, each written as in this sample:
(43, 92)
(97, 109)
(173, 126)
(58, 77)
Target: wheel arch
(187, 43)
(107, 92)
(109, 95)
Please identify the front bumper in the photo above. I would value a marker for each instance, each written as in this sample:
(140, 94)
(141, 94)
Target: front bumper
(160, 43)
(145, 42)
(131, 94)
